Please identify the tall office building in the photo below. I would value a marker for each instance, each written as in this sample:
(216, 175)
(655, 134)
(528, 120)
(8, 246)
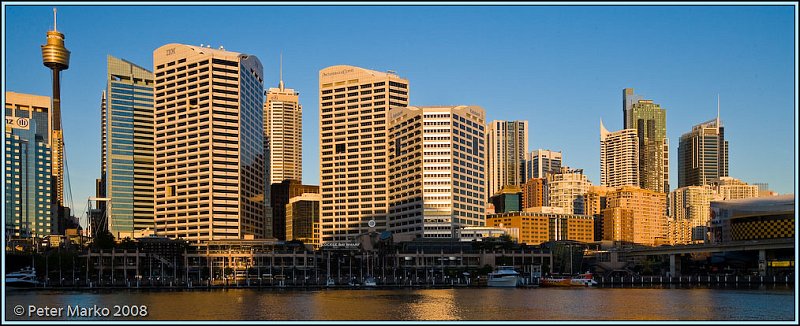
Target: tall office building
(703, 154)
(302, 218)
(28, 166)
(280, 194)
(628, 99)
(635, 215)
(507, 145)
(650, 122)
(355, 104)
(619, 157)
(283, 129)
(209, 144)
(567, 189)
(128, 154)
(542, 162)
(436, 170)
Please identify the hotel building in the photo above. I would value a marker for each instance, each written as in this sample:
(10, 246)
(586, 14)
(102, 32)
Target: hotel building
(28, 165)
(354, 113)
(209, 144)
(436, 170)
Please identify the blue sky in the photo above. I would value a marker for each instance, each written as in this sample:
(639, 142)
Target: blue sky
(562, 68)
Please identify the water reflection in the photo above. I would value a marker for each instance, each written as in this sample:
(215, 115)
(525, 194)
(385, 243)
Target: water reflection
(434, 304)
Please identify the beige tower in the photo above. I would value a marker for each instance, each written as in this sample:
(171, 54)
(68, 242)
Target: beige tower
(283, 129)
(209, 144)
(507, 146)
(433, 182)
(635, 215)
(355, 105)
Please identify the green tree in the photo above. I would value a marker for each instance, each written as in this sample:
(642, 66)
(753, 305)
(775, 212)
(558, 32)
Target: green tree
(103, 240)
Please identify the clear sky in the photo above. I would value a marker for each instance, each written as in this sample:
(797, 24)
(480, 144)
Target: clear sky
(562, 68)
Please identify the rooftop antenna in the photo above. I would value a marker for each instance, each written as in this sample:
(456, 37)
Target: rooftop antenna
(280, 83)
(54, 18)
(718, 111)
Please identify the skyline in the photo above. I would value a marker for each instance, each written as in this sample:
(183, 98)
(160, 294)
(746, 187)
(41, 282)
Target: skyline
(759, 55)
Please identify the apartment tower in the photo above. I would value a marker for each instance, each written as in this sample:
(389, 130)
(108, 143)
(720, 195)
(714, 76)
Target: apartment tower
(542, 162)
(127, 134)
(650, 122)
(635, 215)
(619, 157)
(507, 146)
(210, 173)
(355, 104)
(436, 170)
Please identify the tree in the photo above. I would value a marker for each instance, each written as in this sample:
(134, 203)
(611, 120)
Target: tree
(127, 244)
(103, 240)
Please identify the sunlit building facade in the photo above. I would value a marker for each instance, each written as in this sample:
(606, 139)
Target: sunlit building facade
(703, 154)
(541, 162)
(355, 104)
(619, 157)
(507, 145)
(210, 172)
(635, 215)
(567, 189)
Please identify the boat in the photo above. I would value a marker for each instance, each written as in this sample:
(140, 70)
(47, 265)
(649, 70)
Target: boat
(25, 277)
(370, 281)
(330, 282)
(503, 276)
(581, 280)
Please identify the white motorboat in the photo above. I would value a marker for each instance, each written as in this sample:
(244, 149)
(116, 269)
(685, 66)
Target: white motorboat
(503, 276)
(370, 281)
(25, 277)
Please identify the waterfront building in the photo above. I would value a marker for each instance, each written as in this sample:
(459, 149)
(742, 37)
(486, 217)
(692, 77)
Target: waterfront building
(436, 170)
(28, 167)
(283, 130)
(534, 193)
(703, 154)
(567, 188)
(732, 188)
(507, 200)
(479, 233)
(635, 215)
(355, 104)
(689, 213)
(753, 219)
(538, 227)
(507, 145)
(302, 218)
(280, 195)
(650, 122)
(541, 162)
(619, 157)
(127, 156)
(209, 144)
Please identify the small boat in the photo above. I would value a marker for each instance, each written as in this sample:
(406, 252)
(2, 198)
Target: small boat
(370, 281)
(503, 276)
(581, 280)
(330, 282)
(25, 277)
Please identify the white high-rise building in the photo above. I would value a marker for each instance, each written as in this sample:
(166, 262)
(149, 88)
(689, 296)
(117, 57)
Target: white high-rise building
(507, 145)
(619, 157)
(436, 170)
(567, 189)
(283, 129)
(210, 173)
(355, 105)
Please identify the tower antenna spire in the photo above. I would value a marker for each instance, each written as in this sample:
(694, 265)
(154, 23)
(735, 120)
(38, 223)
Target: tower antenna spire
(717, 110)
(54, 18)
(280, 84)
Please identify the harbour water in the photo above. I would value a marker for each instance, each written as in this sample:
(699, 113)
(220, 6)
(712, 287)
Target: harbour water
(760, 303)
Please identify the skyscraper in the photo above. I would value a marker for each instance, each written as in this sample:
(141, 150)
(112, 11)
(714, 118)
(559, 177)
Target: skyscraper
(650, 122)
(209, 144)
(703, 154)
(619, 157)
(507, 145)
(628, 99)
(355, 104)
(128, 154)
(436, 170)
(27, 158)
(541, 162)
(283, 128)
(635, 215)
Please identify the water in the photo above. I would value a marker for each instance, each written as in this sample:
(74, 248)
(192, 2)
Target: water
(493, 304)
